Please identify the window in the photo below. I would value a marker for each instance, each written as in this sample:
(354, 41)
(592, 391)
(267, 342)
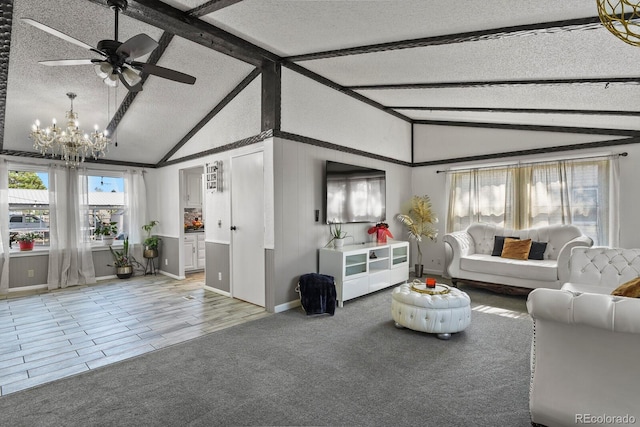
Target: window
(29, 205)
(534, 195)
(107, 204)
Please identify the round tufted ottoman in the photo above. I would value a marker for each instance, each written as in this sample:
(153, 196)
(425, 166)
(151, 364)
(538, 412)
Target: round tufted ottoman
(440, 314)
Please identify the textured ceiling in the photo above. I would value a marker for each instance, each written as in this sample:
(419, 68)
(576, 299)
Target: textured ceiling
(481, 72)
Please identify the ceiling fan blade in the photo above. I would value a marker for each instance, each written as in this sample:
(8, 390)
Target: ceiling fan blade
(138, 45)
(165, 73)
(135, 88)
(56, 33)
(58, 62)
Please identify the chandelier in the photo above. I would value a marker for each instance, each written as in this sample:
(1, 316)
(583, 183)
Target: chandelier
(621, 18)
(70, 143)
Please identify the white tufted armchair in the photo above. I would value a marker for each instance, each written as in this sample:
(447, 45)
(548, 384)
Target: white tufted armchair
(586, 343)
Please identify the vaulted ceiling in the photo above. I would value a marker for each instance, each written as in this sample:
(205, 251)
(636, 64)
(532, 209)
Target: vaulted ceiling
(544, 65)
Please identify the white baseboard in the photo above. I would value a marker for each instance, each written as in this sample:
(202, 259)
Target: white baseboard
(286, 306)
(173, 276)
(113, 276)
(29, 288)
(218, 291)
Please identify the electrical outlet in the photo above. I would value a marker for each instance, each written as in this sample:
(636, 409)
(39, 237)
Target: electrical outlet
(219, 276)
(166, 261)
(30, 273)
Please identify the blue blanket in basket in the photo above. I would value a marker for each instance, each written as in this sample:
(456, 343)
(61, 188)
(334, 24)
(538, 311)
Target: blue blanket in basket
(317, 293)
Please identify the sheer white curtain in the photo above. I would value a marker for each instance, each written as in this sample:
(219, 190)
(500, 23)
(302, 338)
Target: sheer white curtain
(486, 195)
(70, 255)
(580, 192)
(136, 201)
(4, 226)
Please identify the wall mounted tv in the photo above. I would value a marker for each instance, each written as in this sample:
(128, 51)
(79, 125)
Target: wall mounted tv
(354, 193)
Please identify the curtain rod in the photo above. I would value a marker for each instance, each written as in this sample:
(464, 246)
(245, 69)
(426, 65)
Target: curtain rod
(623, 154)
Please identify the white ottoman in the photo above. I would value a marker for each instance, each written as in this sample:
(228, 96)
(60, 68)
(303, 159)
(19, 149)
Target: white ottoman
(445, 312)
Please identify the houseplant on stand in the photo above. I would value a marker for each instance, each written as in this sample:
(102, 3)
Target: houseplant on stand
(150, 242)
(122, 261)
(26, 240)
(419, 220)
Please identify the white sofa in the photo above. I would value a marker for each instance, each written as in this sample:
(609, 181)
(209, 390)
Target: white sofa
(469, 258)
(586, 342)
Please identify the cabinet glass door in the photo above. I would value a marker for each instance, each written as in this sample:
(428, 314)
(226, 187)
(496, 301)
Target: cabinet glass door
(355, 264)
(400, 255)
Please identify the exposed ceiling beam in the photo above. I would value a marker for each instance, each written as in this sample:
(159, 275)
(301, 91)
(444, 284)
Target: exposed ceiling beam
(180, 23)
(536, 128)
(89, 159)
(5, 45)
(210, 115)
(521, 110)
(322, 80)
(155, 56)
(490, 83)
(491, 34)
(210, 7)
(519, 153)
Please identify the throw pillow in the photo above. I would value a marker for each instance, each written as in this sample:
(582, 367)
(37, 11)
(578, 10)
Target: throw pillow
(516, 249)
(629, 289)
(537, 250)
(498, 244)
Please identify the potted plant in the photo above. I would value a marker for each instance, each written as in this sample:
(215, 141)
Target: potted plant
(26, 240)
(108, 231)
(150, 242)
(419, 220)
(122, 261)
(337, 235)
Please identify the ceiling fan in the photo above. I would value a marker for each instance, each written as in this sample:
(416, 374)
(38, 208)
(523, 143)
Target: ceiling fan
(117, 62)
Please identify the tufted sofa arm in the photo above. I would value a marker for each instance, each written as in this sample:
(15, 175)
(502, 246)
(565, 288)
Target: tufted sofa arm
(583, 344)
(457, 245)
(612, 313)
(565, 254)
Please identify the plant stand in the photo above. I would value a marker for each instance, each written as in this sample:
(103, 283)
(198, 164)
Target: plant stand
(150, 266)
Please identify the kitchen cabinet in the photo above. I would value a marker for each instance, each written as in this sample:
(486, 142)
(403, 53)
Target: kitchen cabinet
(194, 251)
(193, 193)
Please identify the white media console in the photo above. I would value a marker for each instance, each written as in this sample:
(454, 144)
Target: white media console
(361, 269)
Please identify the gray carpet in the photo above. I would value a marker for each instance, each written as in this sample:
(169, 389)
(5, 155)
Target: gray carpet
(352, 369)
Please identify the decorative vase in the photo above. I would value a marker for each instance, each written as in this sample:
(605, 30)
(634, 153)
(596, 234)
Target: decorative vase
(382, 236)
(26, 246)
(124, 272)
(338, 243)
(107, 240)
(418, 269)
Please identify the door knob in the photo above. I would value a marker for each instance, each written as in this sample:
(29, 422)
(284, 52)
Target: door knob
(233, 228)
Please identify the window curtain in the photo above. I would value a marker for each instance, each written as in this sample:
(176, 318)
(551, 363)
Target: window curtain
(580, 192)
(135, 194)
(4, 227)
(487, 195)
(70, 255)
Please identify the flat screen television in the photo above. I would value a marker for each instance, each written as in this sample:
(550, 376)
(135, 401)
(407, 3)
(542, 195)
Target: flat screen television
(354, 193)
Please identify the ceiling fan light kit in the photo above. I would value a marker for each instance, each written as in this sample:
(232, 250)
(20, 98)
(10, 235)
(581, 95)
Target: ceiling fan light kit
(621, 17)
(70, 144)
(117, 62)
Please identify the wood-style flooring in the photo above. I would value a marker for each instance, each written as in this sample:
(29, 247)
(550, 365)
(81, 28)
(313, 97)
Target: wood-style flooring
(49, 335)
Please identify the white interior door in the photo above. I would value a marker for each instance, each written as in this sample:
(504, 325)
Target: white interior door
(247, 228)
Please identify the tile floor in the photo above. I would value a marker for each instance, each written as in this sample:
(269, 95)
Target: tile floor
(45, 336)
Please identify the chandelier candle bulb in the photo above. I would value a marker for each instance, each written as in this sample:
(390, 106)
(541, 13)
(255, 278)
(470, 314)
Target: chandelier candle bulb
(71, 144)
